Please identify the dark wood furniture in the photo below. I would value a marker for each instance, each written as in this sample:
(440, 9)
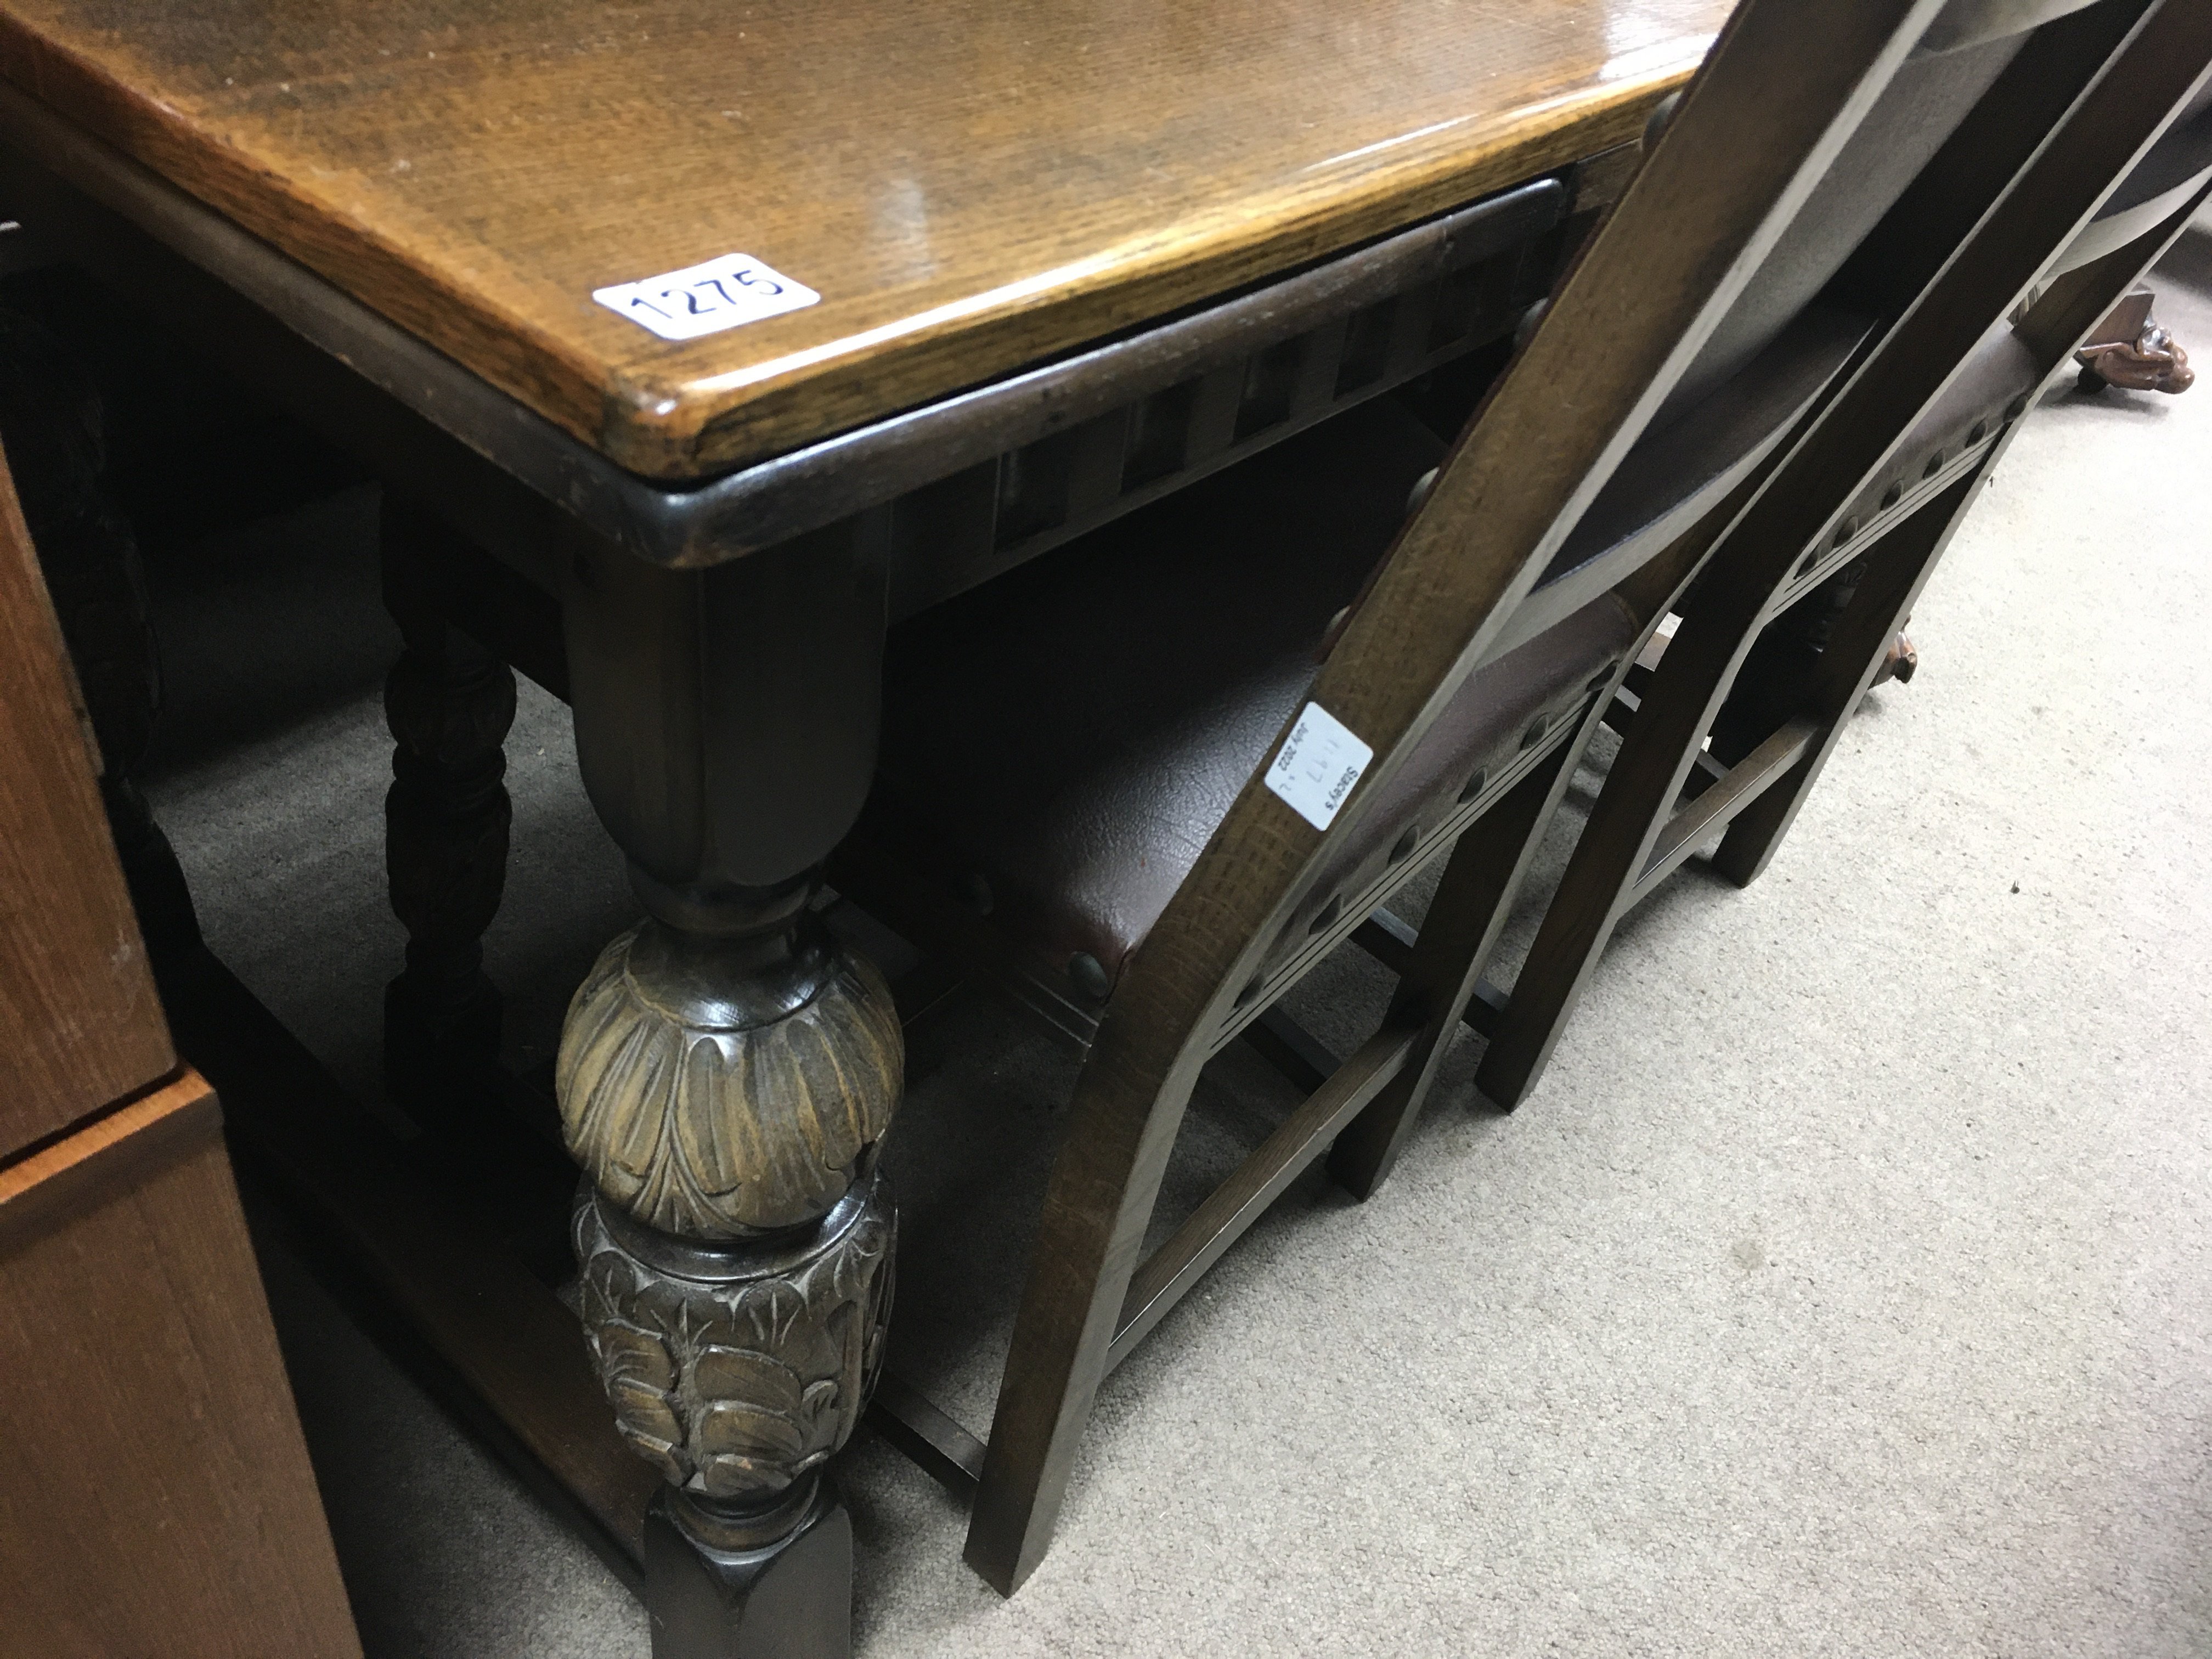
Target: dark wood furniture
(970, 189)
(155, 1491)
(2040, 187)
(1062, 746)
(1078, 787)
(1061, 272)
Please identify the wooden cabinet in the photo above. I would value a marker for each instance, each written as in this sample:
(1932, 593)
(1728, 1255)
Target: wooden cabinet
(155, 1496)
(82, 1023)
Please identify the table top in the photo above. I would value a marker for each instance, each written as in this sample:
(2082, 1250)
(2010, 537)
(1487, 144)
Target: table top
(967, 185)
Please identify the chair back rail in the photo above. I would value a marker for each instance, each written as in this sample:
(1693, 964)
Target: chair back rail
(1891, 264)
(2173, 171)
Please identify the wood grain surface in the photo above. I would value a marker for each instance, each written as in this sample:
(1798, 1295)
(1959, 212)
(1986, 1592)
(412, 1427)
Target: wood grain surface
(154, 1490)
(82, 1023)
(969, 184)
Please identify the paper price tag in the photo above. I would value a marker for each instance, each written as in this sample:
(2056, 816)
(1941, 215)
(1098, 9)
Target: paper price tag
(724, 293)
(1319, 762)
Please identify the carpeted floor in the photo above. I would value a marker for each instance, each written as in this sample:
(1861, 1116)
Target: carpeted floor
(1845, 1288)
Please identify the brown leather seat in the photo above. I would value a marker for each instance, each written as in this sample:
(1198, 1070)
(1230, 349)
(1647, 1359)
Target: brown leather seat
(1058, 746)
(1993, 386)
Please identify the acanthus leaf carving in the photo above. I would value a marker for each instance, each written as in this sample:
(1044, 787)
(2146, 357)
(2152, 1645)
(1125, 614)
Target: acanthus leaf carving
(737, 1372)
(711, 1121)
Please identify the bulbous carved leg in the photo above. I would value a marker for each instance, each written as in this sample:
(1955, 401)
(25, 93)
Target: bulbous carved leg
(449, 703)
(725, 1074)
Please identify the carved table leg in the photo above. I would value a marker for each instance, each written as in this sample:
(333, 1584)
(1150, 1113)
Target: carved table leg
(51, 423)
(726, 1094)
(726, 1074)
(449, 703)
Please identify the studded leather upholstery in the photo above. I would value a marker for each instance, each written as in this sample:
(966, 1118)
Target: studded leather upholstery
(1059, 744)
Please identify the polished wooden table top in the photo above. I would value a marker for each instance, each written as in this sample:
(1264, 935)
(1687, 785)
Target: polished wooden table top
(968, 185)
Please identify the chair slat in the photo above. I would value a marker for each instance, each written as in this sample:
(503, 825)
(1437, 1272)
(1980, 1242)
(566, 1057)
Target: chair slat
(1292, 1049)
(1239, 1201)
(936, 1443)
(1741, 785)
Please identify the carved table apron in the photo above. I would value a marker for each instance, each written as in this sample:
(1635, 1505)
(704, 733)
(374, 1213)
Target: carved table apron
(727, 1071)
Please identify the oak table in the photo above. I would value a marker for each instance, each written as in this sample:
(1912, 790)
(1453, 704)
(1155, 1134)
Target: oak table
(699, 343)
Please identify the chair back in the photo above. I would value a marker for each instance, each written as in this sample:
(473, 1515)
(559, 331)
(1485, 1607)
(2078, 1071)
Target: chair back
(1869, 487)
(1985, 82)
(2089, 107)
(1829, 171)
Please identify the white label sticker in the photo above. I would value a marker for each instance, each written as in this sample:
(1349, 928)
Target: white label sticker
(1320, 762)
(683, 305)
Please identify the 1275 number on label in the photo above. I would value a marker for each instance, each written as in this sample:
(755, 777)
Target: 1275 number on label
(706, 299)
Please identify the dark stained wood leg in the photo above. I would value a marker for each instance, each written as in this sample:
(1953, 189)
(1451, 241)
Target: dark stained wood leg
(1471, 906)
(1719, 676)
(1859, 641)
(714, 1591)
(1103, 1191)
(1679, 684)
(1083, 1300)
(449, 703)
(1685, 693)
(1705, 671)
(726, 1092)
(726, 1073)
(51, 423)
(739, 1354)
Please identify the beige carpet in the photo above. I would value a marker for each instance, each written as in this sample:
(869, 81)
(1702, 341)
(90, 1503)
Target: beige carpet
(1845, 1288)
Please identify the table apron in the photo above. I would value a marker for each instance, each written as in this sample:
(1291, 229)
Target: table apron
(74, 189)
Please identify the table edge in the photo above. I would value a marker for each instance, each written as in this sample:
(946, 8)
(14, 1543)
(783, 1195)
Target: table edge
(675, 434)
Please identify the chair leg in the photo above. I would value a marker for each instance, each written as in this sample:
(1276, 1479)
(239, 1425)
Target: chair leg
(1470, 907)
(1858, 644)
(1120, 1132)
(1685, 691)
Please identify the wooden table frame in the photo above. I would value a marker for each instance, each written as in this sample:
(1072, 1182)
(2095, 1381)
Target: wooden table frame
(846, 535)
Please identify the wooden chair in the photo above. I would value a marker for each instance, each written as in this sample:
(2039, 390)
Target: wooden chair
(1769, 661)
(1120, 779)
(2128, 343)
